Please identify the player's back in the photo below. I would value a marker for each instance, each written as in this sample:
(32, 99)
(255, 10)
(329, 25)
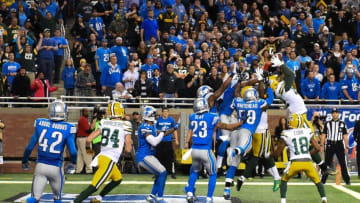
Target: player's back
(52, 137)
(203, 125)
(292, 98)
(253, 110)
(298, 142)
(145, 148)
(113, 137)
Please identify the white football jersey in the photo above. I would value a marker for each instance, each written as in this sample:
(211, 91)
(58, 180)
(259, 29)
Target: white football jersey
(113, 134)
(263, 125)
(298, 142)
(292, 98)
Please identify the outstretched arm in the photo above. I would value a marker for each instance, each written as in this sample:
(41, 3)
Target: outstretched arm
(240, 85)
(230, 127)
(220, 91)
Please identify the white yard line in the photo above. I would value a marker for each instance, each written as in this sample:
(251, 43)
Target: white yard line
(168, 183)
(348, 191)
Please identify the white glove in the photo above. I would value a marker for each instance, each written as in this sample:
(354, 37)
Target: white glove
(259, 73)
(276, 61)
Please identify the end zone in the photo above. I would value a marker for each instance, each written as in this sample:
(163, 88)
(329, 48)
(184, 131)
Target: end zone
(138, 198)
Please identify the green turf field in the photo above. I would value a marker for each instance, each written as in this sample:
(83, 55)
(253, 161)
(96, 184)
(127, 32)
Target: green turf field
(249, 193)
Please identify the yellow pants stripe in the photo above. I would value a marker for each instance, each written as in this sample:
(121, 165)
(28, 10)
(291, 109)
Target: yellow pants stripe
(261, 144)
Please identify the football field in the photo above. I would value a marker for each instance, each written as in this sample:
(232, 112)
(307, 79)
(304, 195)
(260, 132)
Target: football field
(15, 187)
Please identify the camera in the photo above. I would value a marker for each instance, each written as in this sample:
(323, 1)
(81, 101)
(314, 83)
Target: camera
(98, 113)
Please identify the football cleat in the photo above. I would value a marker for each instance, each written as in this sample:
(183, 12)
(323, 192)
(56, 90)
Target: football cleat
(227, 194)
(239, 183)
(95, 201)
(331, 171)
(190, 197)
(151, 198)
(323, 200)
(276, 185)
(209, 200)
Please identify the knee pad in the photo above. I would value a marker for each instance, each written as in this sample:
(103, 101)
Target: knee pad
(31, 200)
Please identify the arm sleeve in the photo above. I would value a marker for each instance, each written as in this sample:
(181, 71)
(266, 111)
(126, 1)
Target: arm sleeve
(289, 76)
(345, 131)
(270, 96)
(154, 141)
(30, 147)
(70, 142)
(325, 128)
(356, 131)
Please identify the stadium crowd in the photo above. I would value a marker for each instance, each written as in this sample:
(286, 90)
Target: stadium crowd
(142, 48)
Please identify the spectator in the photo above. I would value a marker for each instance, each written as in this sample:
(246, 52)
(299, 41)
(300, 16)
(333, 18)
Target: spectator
(27, 59)
(136, 61)
(179, 10)
(12, 30)
(78, 52)
(155, 80)
(121, 53)
(41, 86)
(164, 150)
(79, 29)
(331, 89)
(46, 54)
(130, 77)
(102, 57)
(97, 26)
(84, 8)
(2, 127)
(143, 86)
(4, 88)
(69, 75)
(167, 84)
(149, 28)
(59, 54)
(83, 132)
(10, 69)
(167, 19)
(318, 22)
(85, 80)
(350, 86)
(213, 80)
(180, 74)
(192, 82)
(149, 67)
(120, 94)
(21, 15)
(49, 21)
(292, 63)
(21, 84)
(310, 87)
(110, 76)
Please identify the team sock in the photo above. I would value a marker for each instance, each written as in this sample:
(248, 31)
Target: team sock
(283, 189)
(321, 189)
(211, 186)
(109, 187)
(274, 172)
(161, 183)
(231, 172)
(154, 190)
(84, 194)
(192, 179)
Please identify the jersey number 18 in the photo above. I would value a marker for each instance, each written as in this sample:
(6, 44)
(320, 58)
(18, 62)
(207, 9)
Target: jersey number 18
(301, 145)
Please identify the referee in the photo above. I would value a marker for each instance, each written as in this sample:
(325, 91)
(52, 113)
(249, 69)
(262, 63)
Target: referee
(356, 135)
(336, 135)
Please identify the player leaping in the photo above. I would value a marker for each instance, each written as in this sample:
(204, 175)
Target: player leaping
(283, 88)
(51, 135)
(114, 133)
(202, 125)
(298, 141)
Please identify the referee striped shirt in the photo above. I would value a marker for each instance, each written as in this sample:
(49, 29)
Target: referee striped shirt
(335, 130)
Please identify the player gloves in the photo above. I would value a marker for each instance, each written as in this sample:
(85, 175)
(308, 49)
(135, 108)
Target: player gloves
(276, 62)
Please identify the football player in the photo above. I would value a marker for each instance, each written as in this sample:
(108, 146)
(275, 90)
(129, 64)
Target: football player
(51, 135)
(250, 107)
(202, 125)
(298, 141)
(148, 140)
(296, 107)
(261, 148)
(114, 133)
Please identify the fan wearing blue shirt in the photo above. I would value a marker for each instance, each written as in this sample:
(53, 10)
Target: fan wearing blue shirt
(121, 53)
(149, 67)
(164, 150)
(68, 76)
(58, 55)
(331, 89)
(310, 87)
(149, 28)
(350, 86)
(46, 54)
(96, 25)
(317, 21)
(110, 76)
(10, 68)
(292, 63)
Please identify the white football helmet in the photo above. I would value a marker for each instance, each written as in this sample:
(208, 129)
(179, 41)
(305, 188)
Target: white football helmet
(204, 91)
(149, 113)
(201, 105)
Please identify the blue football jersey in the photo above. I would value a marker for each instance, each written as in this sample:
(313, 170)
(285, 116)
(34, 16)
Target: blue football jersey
(202, 126)
(51, 137)
(227, 97)
(252, 109)
(145, 148)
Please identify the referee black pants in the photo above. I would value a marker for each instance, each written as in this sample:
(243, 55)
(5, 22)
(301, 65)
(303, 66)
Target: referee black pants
(358, 157)
(165, 154)
(338, 149)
